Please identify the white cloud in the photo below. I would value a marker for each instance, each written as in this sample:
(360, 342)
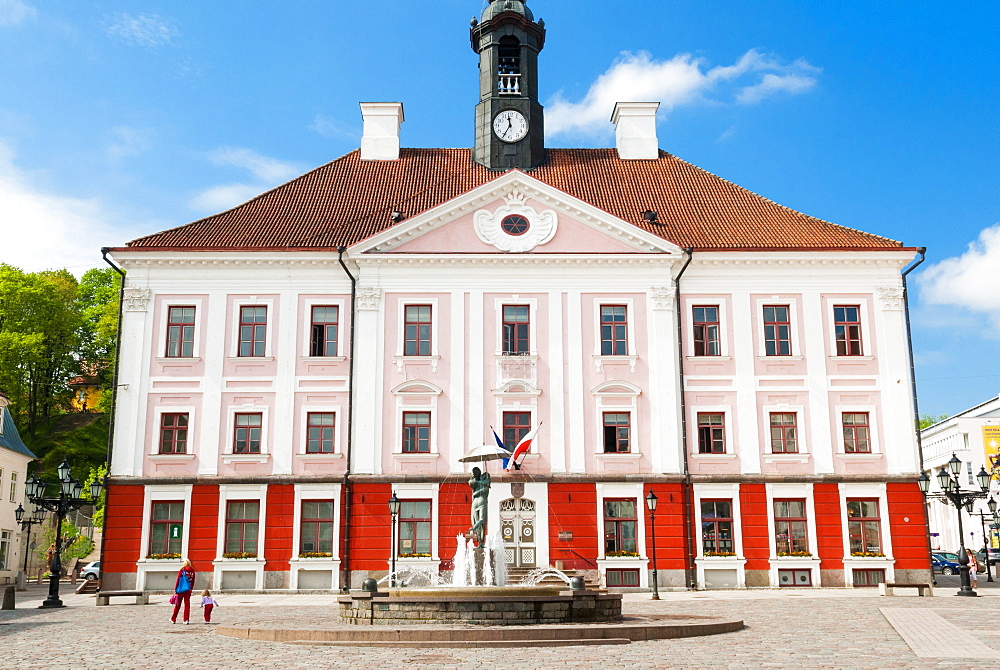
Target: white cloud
(144, 30)
(43, 230)
(129, 142)
(333, 128)
(681, 80)
(968, 281)
(13, 12)
(266, 172)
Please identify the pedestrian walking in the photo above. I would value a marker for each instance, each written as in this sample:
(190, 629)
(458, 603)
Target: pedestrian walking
(209, 603)
(973, 568)
(182, 591)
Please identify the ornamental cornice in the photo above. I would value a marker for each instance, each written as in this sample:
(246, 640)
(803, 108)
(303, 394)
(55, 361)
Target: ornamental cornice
(505, 259)
(224, 262)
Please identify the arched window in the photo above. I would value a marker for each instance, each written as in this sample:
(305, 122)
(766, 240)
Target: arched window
(509, 66)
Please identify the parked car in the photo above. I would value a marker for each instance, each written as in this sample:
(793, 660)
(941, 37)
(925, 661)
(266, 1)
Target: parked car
(994, 556)
(91, 570)
(940, 563)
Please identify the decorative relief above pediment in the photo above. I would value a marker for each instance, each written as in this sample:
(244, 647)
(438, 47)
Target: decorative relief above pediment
(514, 226)
(368, 297)
(136, 299)
(890, 297)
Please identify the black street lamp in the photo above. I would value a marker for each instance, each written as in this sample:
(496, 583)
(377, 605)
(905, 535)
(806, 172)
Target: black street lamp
(69, 498)
(394, 511)
(992, 505)
(651, 506)
(952, 493)
(37, 517)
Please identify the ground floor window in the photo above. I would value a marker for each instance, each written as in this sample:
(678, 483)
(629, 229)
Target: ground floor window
(790, 536)
(868, 577)
(316, 531)
(794, 577)
(415, 528)
(717, 527)
(166, 529)
(619, 528)
(622, 577)
(242, 526)
(5, 550)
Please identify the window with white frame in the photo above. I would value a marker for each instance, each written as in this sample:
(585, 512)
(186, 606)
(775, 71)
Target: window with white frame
(242, 527)
(247, 432)
(180, 331)
(252, 331)
(13, 487)
(320, 432)
(5, 536)
(323, 330)
(316, 529)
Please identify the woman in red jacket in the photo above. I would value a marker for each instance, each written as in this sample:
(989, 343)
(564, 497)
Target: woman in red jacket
(182, 589)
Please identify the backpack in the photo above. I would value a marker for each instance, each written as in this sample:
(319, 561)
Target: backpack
(183, 583)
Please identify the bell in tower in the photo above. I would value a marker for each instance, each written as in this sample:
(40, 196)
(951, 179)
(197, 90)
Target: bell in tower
(510, 128)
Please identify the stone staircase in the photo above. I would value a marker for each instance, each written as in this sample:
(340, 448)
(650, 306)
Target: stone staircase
(516, 575)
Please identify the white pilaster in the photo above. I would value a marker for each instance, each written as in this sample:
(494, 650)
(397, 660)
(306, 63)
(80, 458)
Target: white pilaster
(576, 392)
(556, 437)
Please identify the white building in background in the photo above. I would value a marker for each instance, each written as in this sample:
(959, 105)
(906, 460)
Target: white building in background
(974, 437)
(14, 459)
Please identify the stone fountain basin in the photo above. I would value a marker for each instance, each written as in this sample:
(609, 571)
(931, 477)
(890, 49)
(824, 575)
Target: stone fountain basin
(487, 592)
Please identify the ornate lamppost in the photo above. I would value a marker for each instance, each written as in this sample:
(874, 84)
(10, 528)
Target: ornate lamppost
(37, 517)
(651, 506)
(992, 504)
(394, 511)
(68, 499)
(952, 494)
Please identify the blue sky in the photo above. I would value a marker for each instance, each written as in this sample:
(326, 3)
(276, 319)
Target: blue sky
(118, 119)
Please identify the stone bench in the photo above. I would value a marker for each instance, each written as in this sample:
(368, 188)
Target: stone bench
(887, 589)
(104, 597)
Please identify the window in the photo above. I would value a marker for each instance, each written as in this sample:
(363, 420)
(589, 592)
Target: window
(614, 327)
(856, 433)
(242, 523)
(706, 331)
(166, 528)
(619, 527)
(180, 332)
(868, 577)
(246, 438)
(416, 432)
(777, 331)
(515, 426)
(173, 433)
(794, 577)
(621, 577)
(790, 536)
(717, 527)
(783, 433)
(847, 326)
(417, 330)
(616, 432)
(5, 549)
(509, 66)
(414, 527)
(514, 224)
(515, 329)
(13, 487)
(319, 428)
(864, 526)
(253, 331)
(316, 532)
(323, 338)
(711, 433)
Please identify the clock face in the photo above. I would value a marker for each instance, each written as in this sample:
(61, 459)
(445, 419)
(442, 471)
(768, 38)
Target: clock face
(510, 125)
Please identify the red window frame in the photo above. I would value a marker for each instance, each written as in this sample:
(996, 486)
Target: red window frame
(159, 528)
(515, 426)
(717, 534)
(620, 526)
(314, 524)
(247, 528)
(253, 331)
(784, 433)
(320, 432)
(621, 577)
(416, 432)
(791, 529)
(180, 331)
(864, 525)
(247, 432)
(857, 432)
(777, 330)
(417, 329)
(705, 321)
(173, 433)
(617, 432)
(413, 524)
(711, 433)
(516, 329)
(614, 330)
(867, 577)
(324, 327)
(847, 328)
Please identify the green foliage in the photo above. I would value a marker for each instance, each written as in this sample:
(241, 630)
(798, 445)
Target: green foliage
(98, 473)
(930, 419)
(97, 301)
(79, 439)
(74, 545)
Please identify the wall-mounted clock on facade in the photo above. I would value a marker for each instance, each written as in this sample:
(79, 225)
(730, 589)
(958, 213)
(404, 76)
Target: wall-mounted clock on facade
(510, 125)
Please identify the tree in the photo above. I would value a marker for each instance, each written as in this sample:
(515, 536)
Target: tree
(97, 300)
(930, 419)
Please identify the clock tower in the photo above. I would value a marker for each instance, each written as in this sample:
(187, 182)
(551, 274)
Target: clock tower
(510, 129)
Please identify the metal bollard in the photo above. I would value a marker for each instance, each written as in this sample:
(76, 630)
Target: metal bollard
(8, 598)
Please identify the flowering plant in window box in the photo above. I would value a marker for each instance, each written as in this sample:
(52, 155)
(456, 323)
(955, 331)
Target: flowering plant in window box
(162, 557)
(240, 554)
(798, 554)
(719, 553)
(867, 554)
(621, 554)
(414, 556)
(315, 554)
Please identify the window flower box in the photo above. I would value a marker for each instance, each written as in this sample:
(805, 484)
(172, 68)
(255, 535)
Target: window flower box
(621, 554)
(794, 554)
(720, 554)
(413, 556)
(316, 554)
(867, 554)
(163, 557)
(239, 554)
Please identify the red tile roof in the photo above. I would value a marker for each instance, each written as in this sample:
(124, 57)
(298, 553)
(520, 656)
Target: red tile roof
(348, 200)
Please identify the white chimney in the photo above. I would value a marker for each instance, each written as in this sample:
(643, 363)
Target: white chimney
(635, 130)
(380, 141)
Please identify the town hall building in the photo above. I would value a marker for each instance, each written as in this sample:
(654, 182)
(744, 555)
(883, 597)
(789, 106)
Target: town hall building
(288, 365)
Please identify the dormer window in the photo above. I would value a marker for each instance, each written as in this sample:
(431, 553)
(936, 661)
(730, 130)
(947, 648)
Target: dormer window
(509, 66)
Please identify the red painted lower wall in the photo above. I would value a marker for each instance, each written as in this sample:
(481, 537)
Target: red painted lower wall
(908, 525)
(278, 527)
(829, 526)
(454, 519)
(371, 526)
(671, 548)
(123, 528)
(573, 509)
(756, 533)
(204, 531)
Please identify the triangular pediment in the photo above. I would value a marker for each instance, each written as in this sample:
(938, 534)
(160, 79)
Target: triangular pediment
(515, 213)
